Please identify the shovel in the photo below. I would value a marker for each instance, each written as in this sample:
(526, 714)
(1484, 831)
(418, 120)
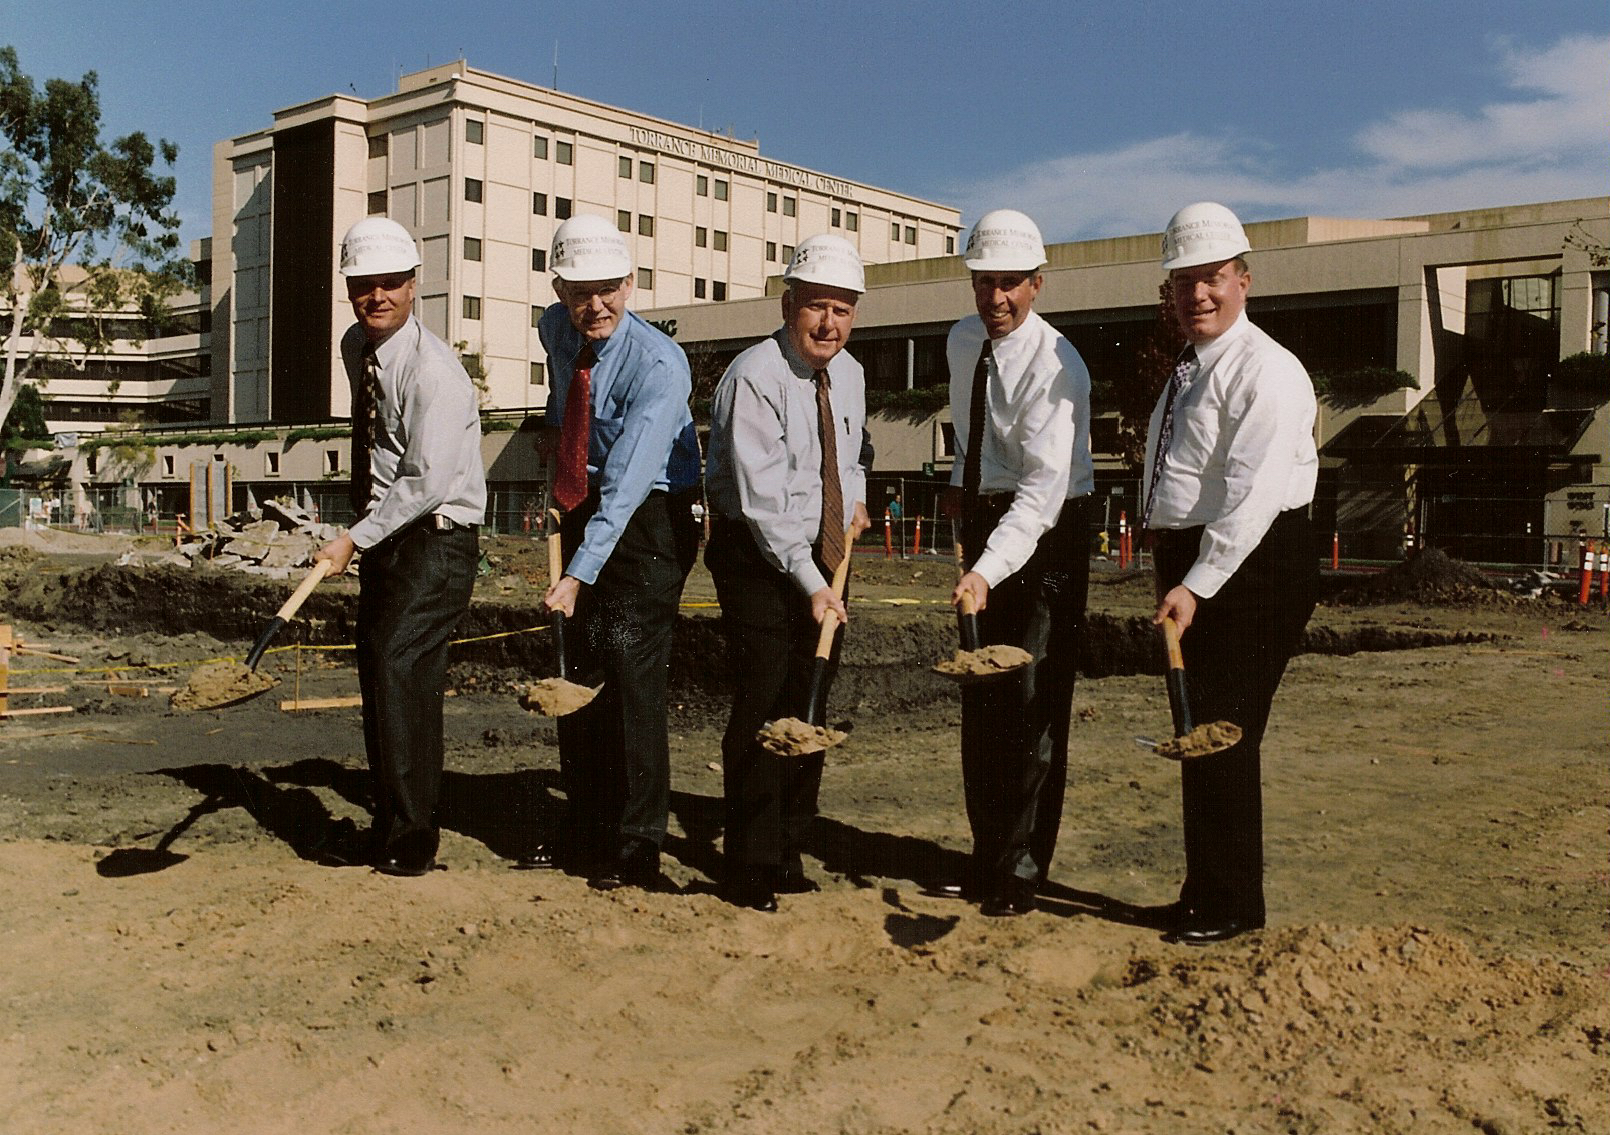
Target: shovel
(974, 662)
(1190, 740)
(225, 683)
(556, 697)
(789, 736)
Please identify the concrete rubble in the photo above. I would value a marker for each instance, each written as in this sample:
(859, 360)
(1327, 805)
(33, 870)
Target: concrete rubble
(276, 540)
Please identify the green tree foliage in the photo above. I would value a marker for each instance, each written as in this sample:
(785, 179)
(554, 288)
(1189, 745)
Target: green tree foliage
(1359, 386)
(87, 231)
(26, 427)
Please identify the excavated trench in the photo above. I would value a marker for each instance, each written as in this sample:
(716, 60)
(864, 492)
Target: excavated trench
(885, 662)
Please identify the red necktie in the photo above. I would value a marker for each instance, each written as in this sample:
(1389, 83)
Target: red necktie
(570, 478)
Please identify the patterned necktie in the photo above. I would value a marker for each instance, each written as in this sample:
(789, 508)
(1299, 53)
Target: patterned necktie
(831, 534)
(1165, 432)
(570, 478)
(973, 467)
(364, 416)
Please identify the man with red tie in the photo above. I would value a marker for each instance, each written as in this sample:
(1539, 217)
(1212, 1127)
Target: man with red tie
(787, 477)
(419, 491)
(1230, 473)
(626, 469)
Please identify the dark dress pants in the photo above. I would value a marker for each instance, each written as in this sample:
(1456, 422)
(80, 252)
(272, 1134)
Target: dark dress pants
(1015, 728)
(1235, 652)
(771, 647)
(414, 587)
(614, 753)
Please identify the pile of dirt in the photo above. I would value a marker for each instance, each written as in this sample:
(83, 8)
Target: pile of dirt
(1430, 575)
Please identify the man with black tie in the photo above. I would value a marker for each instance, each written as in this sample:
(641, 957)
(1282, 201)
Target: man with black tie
(1020, 403)
(627, 465)
(419, 491)
(1230, 473)
(787, 477)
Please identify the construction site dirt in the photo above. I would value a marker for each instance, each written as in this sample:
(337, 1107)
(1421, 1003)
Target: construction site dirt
(178, 955)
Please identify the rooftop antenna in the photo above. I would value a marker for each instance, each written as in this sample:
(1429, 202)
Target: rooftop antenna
(556, 64)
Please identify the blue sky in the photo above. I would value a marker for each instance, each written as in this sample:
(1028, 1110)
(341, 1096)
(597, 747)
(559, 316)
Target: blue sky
(1098, 119)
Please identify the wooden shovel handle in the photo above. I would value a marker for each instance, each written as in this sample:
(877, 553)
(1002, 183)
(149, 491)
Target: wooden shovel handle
(1171, 644)
(830, 620)
(321, 568)
(556, 555)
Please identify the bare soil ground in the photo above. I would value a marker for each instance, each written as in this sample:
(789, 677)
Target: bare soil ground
(175, 958)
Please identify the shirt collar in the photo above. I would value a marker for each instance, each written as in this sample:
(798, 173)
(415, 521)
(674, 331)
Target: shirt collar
(1208, 353)
(801, 369)
(392, 345)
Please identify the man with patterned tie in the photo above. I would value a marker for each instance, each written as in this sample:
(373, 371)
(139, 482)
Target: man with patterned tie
(1020, 488)
(786, 478)
(626, 471)
(419, 491)
(1230, 473)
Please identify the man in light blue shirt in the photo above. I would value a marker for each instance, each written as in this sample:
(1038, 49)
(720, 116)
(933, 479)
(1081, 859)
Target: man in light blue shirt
(625, 548)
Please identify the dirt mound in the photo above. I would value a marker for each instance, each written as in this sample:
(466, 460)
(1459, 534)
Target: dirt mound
(1430, 575)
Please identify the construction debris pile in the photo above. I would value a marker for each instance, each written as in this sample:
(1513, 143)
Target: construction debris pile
(277, 539)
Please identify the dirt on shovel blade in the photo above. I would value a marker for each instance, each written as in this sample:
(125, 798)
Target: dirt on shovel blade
(791, 737)
(1214, 737)
(984, 662)
(555, 697)
(220, 683)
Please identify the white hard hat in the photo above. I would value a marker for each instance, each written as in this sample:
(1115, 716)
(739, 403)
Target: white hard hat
(587, 247)
(1203, 233)
(1004, 240)
(827, 259)
(377, 246)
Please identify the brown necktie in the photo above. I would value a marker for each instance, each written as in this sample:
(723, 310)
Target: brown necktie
(831, 536)
(570, 479)
(1165, 431)
(973, 467)
(364, 418)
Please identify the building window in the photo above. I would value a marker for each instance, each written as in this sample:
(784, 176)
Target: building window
(332, 461)
(561, 208)
(538, 374)
(564, 153)
(950, 246)
(472, 189)
(911, 234)
(623, 167)
(701, 185)
(539, 204)
(645, 172)
(771, 250)
(788, 254)
(790, 206)
(474, 131)
(271, 465)
(838, 219)
(379, 145)
(721, 241)
(719, 291)
(701, 236)
(539, 148)
(645, 225)
(645, 278)
(721, 190)
(377, 203)
(539, 260)
(472, 248)
(623, 220)
(93, 463)
(698, 294)
(168, 464)
(771, 202)
(536, 314)
(852, 221)
(472, 307)
(894, 231)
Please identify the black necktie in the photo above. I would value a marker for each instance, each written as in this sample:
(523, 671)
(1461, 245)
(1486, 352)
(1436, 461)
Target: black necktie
(364, 416)
(831, 535)
(973, 468)
(1165, 431)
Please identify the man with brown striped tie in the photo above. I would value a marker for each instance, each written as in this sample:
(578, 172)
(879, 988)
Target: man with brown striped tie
(786, 477)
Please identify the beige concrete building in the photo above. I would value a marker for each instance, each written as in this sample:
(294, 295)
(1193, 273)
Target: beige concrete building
(482, 169)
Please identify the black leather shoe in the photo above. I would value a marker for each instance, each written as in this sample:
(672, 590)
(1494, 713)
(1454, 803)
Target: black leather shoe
(751, 893)
(794, 883)
(543, 857)
(637, 865)
(1203, 933)
(1014, 896)
(410, 856)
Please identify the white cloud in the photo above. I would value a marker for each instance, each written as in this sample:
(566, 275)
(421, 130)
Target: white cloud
(1550, 146)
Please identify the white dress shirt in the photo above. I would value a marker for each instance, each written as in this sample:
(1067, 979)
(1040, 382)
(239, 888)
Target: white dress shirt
(765, 461)
(1037, 438)
(1242, 452)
